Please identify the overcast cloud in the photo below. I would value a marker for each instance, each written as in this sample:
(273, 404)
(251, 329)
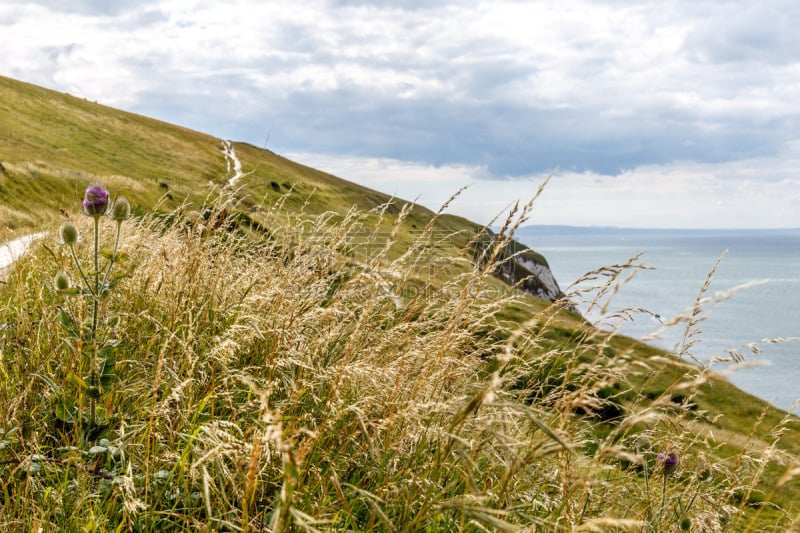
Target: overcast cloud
(670, 114)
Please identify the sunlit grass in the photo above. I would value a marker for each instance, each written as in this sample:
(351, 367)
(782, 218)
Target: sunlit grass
(292, 382)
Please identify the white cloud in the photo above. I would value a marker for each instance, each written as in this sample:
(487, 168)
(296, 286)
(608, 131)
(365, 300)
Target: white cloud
(679, 195)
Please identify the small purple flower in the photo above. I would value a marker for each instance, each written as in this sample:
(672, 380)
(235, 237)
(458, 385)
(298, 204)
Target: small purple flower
(96, 200)
(669, 461)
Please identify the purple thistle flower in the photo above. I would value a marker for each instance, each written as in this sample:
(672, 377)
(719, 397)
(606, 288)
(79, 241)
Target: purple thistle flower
(96, 200)
(669, 461)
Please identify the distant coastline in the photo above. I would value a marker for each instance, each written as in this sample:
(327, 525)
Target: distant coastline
(588, 230)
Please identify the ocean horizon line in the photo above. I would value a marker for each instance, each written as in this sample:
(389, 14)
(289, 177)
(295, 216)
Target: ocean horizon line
(605, 228)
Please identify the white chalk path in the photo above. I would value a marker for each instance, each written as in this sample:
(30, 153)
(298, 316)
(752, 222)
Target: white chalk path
(232, 161)
(14, 249)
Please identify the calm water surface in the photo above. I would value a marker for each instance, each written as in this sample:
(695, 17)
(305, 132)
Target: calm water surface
(681, 261)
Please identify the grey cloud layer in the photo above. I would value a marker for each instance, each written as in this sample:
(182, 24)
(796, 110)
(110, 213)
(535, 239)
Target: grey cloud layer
(516, 88)
(91, 7)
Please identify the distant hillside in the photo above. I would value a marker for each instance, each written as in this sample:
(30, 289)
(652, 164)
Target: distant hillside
(54, 144)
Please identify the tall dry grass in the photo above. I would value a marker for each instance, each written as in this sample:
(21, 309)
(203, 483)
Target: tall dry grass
(289, 382)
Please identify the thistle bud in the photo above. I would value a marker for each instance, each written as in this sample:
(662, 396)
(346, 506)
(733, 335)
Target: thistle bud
(643, 442)
(68, 233)
(121, 210)
(703, 472)
(62, 282)
(95, 200)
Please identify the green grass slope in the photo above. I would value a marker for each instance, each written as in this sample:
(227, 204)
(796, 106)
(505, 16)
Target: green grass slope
(54, 143)
(301, 355)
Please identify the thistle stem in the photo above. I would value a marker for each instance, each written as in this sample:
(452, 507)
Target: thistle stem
(95, 305)
(80, 270)
(663, 498)
(113, 254)
(96, 276)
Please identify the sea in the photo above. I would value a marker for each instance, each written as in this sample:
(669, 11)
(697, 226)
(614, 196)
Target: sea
(751, 314)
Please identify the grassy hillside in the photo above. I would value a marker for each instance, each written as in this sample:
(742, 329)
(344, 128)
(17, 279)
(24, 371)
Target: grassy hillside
(53, 144)
(303, 355)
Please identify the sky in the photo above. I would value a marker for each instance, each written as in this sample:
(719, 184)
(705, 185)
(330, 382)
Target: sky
(673, 114)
